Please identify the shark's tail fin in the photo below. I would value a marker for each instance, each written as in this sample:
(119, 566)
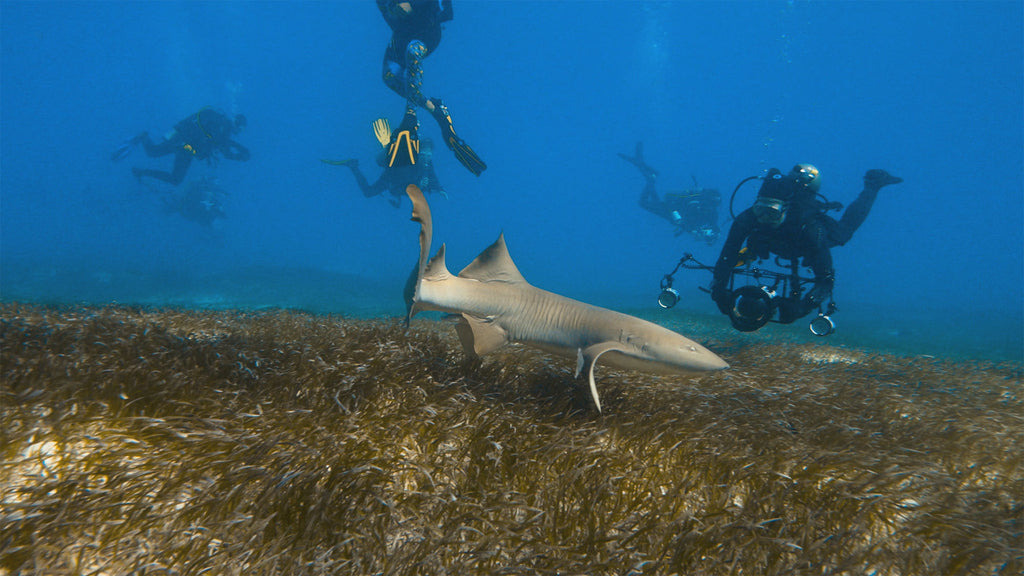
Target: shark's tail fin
(426, 268)
(421, 214)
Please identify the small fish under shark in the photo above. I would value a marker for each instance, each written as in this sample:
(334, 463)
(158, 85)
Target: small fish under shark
(495, 305)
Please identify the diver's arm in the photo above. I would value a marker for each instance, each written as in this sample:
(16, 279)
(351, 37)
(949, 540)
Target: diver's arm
(235, 151)
(819, 257)
(740, 230)
(738, 233)
(393, 11)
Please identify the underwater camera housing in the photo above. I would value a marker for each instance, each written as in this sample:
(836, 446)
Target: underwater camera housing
(771, 298)
(752, 307)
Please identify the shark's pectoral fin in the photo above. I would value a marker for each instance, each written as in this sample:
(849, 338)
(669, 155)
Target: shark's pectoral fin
(586, 358)
(479, 336)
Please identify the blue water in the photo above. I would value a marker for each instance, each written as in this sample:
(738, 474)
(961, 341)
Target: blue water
(547, 93)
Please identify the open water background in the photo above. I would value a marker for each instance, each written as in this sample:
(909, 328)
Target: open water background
(547, 93)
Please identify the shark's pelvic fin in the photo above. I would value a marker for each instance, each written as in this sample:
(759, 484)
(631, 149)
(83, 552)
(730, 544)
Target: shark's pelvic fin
(586, 359)
(493, 265)
(479, 336)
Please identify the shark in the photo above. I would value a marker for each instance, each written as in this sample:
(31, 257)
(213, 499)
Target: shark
(494, 305)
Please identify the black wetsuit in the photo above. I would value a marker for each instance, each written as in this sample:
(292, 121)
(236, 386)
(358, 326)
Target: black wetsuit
(402, 57)
(807, 233)
(690, 211)
(394, 180)
(199, 136)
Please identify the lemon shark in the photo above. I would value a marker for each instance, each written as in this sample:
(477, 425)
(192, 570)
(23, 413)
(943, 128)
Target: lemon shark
(495, 305)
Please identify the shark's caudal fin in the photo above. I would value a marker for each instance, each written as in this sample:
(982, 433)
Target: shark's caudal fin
(421, 214)
(477, 335)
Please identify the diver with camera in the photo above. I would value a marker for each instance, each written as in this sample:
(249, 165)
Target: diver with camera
(788, 219)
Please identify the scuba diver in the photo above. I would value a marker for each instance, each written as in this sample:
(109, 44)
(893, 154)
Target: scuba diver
(202, 136)
(789, 220)
(416, 33)
(405, 160)
(690, 211)
(200, 201)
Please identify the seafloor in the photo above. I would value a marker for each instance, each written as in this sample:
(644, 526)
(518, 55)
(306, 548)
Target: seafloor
(163, 441)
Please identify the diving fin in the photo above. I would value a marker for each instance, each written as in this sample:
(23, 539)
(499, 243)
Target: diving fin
(463, 153)
(124, 149)
(638, 160)
(404, 146)
(382, 130)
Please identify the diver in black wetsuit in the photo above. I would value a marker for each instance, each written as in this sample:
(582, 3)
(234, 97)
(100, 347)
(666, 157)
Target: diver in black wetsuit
(405, 160)
(200, 201)
(789, 221)
(202, 136)
(415, 34)
(397, 174)
(690, 211)
(394, 180)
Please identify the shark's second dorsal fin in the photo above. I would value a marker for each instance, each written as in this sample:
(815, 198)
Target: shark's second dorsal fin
(493, 265)
(436, 269)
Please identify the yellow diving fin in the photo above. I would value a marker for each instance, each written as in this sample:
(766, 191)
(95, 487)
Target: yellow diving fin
(404, 147)
(404, 150)
(382, 130)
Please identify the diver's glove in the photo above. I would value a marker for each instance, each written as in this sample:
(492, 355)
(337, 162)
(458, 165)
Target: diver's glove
(877, 178)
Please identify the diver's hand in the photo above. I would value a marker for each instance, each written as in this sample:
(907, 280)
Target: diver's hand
(876, 179)
(817, 296)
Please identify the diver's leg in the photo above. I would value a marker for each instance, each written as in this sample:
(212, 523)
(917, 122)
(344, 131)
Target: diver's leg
(655, 206)
(182, 160)
(364, 184)
(649, 195)
(394, 76)
(415, 52)
(463, 152)
(154, 150)
(638, 160)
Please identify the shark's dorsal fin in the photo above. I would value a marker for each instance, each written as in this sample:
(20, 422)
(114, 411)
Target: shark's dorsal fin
(479, 336)
(436, 268)
(493, 265)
